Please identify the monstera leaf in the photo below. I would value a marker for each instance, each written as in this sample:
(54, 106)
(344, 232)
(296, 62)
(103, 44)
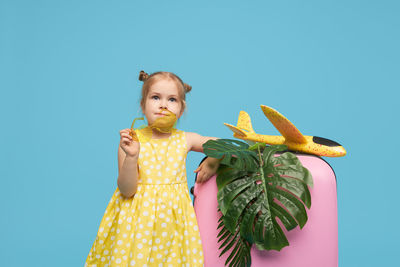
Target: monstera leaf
(250, 199)
(233, 153)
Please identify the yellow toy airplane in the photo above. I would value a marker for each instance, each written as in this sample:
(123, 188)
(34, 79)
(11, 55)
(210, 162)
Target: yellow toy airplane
(290, 135)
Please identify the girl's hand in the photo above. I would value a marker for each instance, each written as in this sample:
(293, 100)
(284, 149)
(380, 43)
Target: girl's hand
(130, 146)
(206, 169)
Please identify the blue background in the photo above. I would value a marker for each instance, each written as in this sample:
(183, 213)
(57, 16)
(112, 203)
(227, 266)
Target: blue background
(69, 83)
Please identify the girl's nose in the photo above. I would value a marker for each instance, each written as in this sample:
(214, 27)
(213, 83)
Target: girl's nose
(163, 104)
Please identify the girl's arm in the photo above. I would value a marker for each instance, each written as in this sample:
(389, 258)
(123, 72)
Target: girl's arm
(128, 153)
(210, 165)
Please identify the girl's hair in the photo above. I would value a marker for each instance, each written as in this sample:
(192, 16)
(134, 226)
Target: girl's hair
(149, 80)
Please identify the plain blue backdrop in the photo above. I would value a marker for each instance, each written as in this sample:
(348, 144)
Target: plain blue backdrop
(68, 79)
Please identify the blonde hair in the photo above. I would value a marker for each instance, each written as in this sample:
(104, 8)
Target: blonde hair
(149, 80)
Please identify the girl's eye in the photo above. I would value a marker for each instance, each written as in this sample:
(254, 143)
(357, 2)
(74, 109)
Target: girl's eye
(155, 97)
(172, 99)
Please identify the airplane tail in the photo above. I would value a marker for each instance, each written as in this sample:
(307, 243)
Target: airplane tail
(243, 126)
(244, 122)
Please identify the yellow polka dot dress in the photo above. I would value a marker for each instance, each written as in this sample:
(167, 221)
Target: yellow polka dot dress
(157, 226)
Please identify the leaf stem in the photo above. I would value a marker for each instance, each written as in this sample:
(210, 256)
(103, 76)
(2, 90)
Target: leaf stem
(262, 174)
(259, 154)
(262, 170)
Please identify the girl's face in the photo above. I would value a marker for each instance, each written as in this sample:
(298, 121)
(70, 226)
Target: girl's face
(162, 94)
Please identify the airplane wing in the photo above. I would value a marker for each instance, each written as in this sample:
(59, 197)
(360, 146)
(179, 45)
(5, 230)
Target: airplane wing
(283, 125)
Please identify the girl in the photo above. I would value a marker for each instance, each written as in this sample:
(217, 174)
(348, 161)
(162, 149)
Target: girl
(150, 220)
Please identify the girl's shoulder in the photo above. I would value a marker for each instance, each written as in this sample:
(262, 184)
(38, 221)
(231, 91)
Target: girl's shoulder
(191, 135)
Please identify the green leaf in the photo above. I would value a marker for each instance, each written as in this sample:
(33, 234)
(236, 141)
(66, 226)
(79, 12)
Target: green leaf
(252, 197)
(284, 216)
(240, 254)
(292, 204)
(238, 205)
(228, 243)
(226, 175)
(257, 146)
(232, 152)
(269, 152)
(229, 192)
(289, 161)
(247, 223)
(298, 188)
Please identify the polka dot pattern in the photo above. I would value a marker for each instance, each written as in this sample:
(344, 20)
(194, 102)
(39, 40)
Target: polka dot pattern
(157, 226)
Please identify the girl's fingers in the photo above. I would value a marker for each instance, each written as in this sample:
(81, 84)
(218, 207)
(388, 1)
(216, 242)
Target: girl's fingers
(133, 135)
(198, 168)
(204, 176)
(126, 135)
(199, 178)
(126, 141)
(129, 132)
(125, 131)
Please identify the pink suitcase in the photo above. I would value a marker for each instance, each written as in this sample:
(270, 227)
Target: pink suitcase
(315, 245)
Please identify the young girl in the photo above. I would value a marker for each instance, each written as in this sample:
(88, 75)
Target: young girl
(150, 220)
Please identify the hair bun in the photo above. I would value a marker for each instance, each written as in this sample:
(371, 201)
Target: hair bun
(187, 87)
(143, 76)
